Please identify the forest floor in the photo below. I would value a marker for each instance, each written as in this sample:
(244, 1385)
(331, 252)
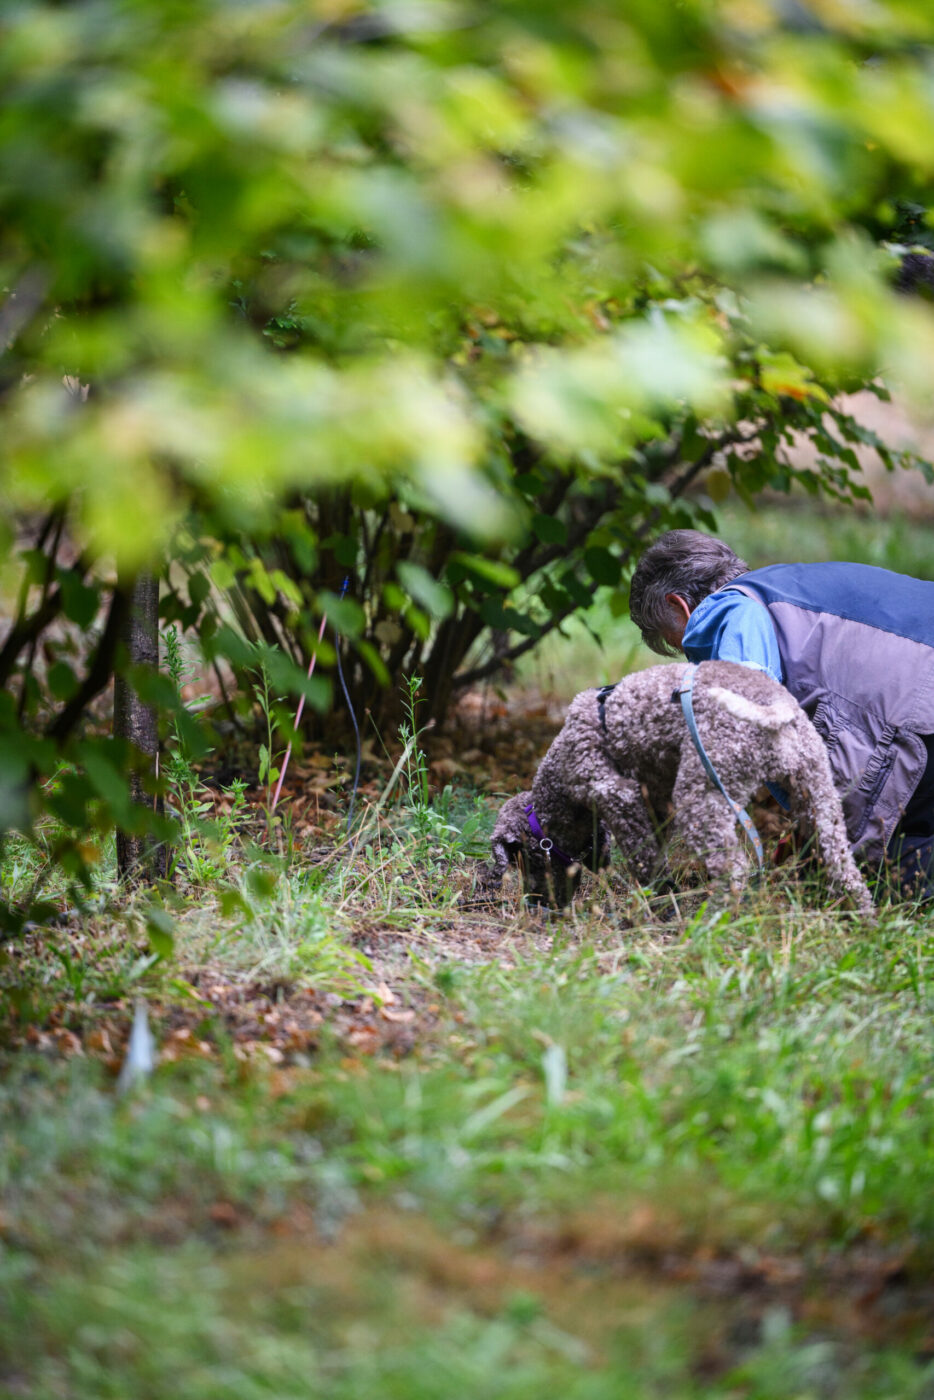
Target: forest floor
(403, 1141)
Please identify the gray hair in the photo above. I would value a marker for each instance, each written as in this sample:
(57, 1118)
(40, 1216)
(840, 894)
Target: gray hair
(685, 562)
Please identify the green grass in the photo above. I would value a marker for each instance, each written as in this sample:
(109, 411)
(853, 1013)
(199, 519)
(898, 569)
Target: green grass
(728, 1088)
(153, 1324)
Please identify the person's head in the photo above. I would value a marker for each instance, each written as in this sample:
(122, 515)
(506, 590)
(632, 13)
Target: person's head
(675, 574)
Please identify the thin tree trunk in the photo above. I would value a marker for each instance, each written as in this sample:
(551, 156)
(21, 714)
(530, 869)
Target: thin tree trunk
(139, 857)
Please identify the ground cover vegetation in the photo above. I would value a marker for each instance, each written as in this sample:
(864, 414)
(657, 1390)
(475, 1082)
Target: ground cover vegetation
(459, 304)
(401, 1139)
(399, 1143)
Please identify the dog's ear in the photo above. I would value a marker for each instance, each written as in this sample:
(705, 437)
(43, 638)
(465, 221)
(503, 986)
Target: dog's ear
(506, 841)
(505, 850)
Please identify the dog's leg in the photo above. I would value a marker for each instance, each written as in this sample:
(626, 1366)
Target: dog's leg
(619, 803)
(706, 825)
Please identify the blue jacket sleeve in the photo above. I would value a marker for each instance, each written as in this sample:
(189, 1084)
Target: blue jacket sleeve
(729, 626)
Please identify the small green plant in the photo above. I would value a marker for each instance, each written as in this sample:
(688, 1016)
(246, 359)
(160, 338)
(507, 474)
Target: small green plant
(433, 830)
(76, 971)
(289, 929)
(23, 864)
(463, 815)
(440, 829)
(270, 760)
(416, 763)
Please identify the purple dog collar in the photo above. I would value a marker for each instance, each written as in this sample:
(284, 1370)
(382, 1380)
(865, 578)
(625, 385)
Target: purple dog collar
(545, 842)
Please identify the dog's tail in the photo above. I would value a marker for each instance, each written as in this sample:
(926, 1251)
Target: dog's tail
(782, 711)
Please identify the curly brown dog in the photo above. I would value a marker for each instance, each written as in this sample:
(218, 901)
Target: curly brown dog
(592, 779)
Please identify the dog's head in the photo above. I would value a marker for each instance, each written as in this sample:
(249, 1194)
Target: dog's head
(547, 878)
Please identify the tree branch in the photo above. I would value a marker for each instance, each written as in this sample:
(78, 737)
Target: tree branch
(497, 663)
(59, 524)
(25, 631)
(22, 633)
(100, 672)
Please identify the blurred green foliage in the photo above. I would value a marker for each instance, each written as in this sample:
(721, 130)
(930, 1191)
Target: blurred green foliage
(456, 298)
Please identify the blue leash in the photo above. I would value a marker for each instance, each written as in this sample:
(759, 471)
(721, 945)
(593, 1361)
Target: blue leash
(684, 694)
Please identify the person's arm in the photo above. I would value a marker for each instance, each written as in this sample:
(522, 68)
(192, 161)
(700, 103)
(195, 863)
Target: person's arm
(730, 626)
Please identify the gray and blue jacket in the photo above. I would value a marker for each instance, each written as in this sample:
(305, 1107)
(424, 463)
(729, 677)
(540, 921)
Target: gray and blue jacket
(855, 646)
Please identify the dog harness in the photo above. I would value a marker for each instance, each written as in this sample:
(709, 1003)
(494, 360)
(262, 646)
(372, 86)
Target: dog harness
(603, 695)
(684, 694)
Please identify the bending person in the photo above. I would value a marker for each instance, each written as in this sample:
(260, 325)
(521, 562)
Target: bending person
(855, 646)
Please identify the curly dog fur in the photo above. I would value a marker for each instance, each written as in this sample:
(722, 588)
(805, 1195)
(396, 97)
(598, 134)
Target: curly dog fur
(593, 779)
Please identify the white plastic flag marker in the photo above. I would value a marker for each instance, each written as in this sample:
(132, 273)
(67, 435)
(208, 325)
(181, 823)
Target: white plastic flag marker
(140, 1052)
(555, 1070)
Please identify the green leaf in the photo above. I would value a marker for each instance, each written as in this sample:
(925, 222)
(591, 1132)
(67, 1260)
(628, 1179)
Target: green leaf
(549, 529)
(507, 619)
(285, 676)
(419, 622)
(107, 780)
(436, 598)
(489, 570)
(619, 603)
(602, 566)
(62, 680)
(345, 615)
(232, 904)
(556, 600)
(375, 662)
(345, 551)
(233, 646)
(199, 587)
(80, 601)
(160, 931)
(259, 578)
(582, 595)
(223, 574)
(70, 801)
(152, 687)
(718, 484)
(782, 375)
(260, 882)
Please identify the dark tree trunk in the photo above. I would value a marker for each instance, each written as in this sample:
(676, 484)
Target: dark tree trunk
(139, 857)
